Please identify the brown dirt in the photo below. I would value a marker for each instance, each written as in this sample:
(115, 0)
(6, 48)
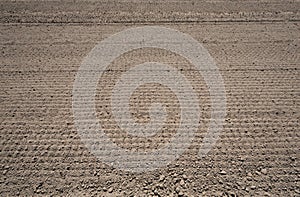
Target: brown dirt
(255, 45)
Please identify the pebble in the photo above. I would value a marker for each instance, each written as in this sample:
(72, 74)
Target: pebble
(266, 194)
(242, 159)
(110, 190)
(161, 178)
(146, 188)
(219, 193)
(264, 171)
(293, 158)
(176, 180)
(182, 182)
(230, 193)
(159, 186)
(223, 172)
(253, 187)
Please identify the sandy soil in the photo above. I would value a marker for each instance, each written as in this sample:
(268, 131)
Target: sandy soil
(255, 45)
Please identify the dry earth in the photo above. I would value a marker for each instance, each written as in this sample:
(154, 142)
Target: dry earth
(255, 45)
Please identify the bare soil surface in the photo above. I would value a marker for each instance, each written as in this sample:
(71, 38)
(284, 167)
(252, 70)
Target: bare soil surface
(255, 45)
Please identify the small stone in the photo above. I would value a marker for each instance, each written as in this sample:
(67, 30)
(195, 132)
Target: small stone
(223, 172)
(264, 171)
(184, 177)
(176, 180)
(182, 182)
(110, 190)
(40, 184)
(293, 158)
(266, 194)
(230, 193)
(227, 187)
(180, 193)
(160, 186)
(249, 174)
(253, 187)
(157, 186)
(219, 193)
(4, 172)
(161, 178)
(242, 159)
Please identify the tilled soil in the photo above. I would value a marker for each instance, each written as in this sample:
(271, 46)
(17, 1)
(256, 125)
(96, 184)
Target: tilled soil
(255, 45)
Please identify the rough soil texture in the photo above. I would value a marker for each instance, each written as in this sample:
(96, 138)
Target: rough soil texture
(256, 47)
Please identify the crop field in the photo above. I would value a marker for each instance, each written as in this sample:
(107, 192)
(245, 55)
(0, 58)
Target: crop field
(233, 122)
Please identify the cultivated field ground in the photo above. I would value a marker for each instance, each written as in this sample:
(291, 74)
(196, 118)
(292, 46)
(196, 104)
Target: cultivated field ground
(255, 44)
